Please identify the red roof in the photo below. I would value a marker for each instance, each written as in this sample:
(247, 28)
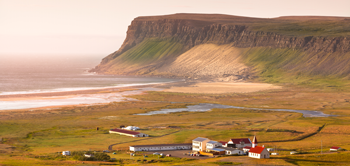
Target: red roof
(335, 147)
(255, 141)
(222, 142)
(247, 147)
(125, 131)
(239, 140)
(257, 149)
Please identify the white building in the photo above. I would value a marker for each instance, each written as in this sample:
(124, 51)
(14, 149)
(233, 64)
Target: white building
(259, 152)
(127, 133)
(334, 148)
(231, 151)
(270, 149)
(246, 149)
(213, 144)
(133, 128)
(239, 143)
(160, 147)
(199, 144)
(66, 153)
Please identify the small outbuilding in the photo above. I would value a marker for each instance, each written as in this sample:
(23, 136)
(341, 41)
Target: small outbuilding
(334, 148)
(232, 151)
(66, 153)
(294, 152)
(246, 149)
(270, 149)
(127, 133)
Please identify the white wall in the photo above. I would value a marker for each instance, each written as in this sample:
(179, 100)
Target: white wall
(159, 148)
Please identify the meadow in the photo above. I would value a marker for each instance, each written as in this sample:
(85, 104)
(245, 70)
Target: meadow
(27, 135)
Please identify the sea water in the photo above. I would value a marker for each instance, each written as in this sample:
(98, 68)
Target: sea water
(40, 74)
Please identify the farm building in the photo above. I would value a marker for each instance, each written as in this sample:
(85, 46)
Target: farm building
(159, 147)
(259, 152)
(231, 151)
(216, 151)
(213, 144)
(224, 144)
(199, 144)
(127, 133)
(334, 148)
(239, 143)
(246, 149)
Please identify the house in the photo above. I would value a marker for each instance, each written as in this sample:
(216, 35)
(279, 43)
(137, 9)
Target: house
(127, 133)
(231, 151)
(246, 149)
(159, 147)
(239, 143)
(334, 148)
(199, 144)
(213, 144)
(259, 152)
(224, 144)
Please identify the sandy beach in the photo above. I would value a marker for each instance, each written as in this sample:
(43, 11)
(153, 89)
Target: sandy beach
(223, 87)
(106, 95)
(50, 100)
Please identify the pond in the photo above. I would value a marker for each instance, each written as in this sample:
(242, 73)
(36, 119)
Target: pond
(203, 107)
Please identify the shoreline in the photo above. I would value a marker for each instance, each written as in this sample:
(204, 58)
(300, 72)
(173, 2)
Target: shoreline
(106, 95)
(118, 94)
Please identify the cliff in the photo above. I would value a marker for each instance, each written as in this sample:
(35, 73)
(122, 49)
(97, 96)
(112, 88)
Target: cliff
(312, 37)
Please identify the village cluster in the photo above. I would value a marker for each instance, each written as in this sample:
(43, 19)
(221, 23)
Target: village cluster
(205, 146)
(202, 146)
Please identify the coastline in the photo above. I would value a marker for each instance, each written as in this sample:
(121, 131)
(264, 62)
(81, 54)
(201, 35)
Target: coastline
(109, 94)
(106, 95)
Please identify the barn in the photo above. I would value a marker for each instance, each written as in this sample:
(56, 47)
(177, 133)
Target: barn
(160, 147)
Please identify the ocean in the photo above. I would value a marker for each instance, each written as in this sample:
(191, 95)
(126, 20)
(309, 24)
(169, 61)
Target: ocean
(38, 74)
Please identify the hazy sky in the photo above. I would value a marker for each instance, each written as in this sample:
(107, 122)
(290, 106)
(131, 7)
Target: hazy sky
(98, 27)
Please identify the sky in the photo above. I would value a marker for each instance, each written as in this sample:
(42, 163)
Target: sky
(98, 27)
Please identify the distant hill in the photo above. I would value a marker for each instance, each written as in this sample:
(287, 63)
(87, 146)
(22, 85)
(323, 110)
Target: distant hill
(285, 49)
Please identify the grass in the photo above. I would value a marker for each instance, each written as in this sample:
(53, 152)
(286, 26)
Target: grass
(145, 54)
(44, 132)
(306, 28)
(151, 50)
(294, 66)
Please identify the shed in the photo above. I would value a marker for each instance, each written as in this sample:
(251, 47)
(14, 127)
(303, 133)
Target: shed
(66, 153)
(294, 152)
(334, 148)
(128, 133)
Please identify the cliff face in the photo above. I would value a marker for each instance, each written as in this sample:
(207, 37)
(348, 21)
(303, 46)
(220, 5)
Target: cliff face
(193, 30)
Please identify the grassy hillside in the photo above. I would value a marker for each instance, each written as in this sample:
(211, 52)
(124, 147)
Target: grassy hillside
(148, 52)
(299, 67)
(306, 28)
(151, 50)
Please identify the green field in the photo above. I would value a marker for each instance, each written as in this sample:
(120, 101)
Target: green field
(46, 132)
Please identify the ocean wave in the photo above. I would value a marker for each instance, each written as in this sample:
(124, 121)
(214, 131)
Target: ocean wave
(76, 89)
